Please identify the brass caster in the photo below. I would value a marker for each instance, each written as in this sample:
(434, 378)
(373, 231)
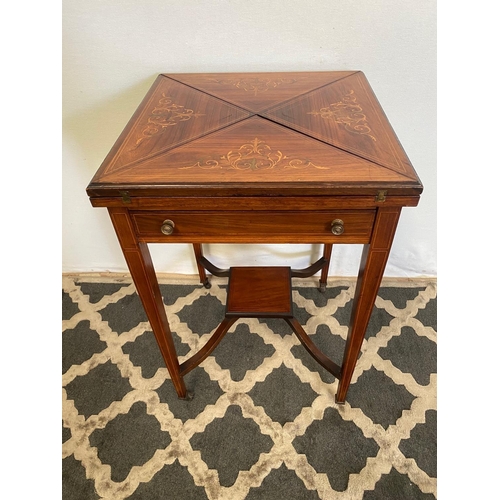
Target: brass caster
(339, 402)
(189, 396)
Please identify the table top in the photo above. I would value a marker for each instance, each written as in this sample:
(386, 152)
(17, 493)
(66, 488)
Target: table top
(230, 134)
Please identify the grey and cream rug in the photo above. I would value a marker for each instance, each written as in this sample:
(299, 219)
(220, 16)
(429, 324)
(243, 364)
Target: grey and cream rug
(263, 423)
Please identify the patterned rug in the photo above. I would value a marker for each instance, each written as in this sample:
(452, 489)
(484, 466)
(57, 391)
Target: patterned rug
(263, 423)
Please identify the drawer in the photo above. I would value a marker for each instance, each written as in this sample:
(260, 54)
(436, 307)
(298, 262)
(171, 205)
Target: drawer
(251, 227)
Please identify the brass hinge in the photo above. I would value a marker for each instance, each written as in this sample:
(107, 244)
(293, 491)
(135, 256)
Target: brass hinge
(381, 196)
(125, 196)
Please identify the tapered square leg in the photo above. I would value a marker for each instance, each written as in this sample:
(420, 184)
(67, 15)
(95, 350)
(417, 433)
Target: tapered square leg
(373, 262)
(327, 254)
(142, 270)
(198, 253)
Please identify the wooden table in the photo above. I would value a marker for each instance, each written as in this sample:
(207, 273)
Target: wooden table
(257, 158)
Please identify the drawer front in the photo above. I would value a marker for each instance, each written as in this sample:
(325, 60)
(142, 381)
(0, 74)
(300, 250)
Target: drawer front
(355, 226)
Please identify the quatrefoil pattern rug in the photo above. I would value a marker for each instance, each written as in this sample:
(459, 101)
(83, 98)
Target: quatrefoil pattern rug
(263, 422)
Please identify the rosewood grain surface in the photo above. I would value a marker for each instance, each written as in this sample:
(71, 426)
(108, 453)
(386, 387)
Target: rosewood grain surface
(257, 157)
(345, 114)
(258, 91)
(257, 292)
(325, 134)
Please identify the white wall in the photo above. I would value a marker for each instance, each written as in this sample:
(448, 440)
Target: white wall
(113, 50)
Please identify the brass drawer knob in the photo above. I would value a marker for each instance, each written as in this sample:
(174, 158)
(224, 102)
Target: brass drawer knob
(167, 227)
(337, 227)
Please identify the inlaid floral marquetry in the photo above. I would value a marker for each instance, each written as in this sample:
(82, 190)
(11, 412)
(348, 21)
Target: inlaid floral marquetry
(255, 85)
(254, 155)
(320, 132)
(166, 114)
(348, 113)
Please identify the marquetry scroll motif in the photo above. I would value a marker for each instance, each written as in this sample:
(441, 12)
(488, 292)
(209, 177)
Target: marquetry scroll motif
(165, 114)
(348, 113)
(255, 85)
(254, 155)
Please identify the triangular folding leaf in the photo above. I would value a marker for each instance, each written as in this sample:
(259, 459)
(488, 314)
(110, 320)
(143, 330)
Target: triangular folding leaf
(258, 91)
(173, 114)
(346, 114)
(255, 150)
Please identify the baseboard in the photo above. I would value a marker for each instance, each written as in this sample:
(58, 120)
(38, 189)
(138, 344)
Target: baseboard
(170, 278)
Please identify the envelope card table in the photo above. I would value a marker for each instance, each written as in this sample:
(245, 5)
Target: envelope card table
(302, 157)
